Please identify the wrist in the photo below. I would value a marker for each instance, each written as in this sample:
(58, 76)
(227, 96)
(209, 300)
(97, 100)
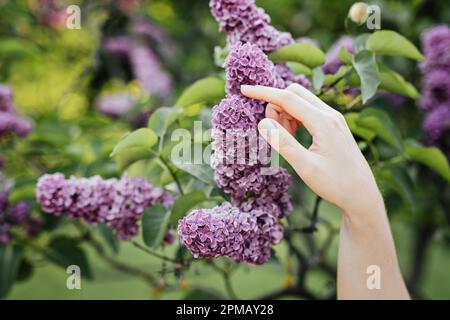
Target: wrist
(360, 214)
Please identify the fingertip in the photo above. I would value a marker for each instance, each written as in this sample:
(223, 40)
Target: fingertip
(246, 89)
(266, 124)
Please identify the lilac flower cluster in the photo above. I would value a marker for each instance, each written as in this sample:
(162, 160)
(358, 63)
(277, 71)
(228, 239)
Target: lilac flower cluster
(118, 202)
(17, 215)
(145, 64)
(114, 105)
(243, 21)
(10, 120)
(228, 231)
(245, 229)
(435, 99)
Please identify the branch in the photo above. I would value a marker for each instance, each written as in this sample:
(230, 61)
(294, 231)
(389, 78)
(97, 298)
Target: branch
(226, 275)
(156, 254)
(172, 174)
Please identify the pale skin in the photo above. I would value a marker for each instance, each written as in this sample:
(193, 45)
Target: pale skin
(336, 170)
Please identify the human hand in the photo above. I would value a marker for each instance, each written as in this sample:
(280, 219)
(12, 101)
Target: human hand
(333, 166)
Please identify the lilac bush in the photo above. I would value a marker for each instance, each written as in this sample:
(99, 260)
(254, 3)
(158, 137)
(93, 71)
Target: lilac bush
(118, 202)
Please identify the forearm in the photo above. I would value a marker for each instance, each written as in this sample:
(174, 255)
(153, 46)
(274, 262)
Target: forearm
(366, 246)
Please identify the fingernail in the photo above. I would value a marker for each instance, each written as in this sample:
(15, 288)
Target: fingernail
(245, 87)
(267, 124)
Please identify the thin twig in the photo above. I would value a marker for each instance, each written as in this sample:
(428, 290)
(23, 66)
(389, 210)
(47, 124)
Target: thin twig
(155, 254)
(172, 174)
(227, 279)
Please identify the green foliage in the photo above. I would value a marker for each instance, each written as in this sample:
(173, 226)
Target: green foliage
(134, 146)
(65, 251)
(10, 258)
(302, 53)
(204, 90)
(381, 124)
(367, 70)
(185, 203)
(393, 82)
(162, 118)
(431, 157)
(390, 43)
(154, 225)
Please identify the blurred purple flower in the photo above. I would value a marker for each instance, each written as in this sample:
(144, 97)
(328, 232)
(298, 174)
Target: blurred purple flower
(145, 64)
(10, 121)
(437, 123)
(114, 105)
(436, 46)
(435, 99)
(169, 237)
(436, 88)
(17, 215)
(332, 61)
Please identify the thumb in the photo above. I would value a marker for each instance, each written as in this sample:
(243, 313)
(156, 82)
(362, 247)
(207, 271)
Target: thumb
(283, 142)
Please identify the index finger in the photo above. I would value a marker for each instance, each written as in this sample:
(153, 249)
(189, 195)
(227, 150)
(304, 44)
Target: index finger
(291, 103)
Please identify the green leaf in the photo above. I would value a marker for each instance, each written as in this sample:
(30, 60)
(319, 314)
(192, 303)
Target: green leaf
(205, 90)
(393, 82)
(109, 237)
(367, 70)
(65, 251)
(25, 192)
(154, 224)
(303, 53)
(388, 42)
(318, 79)
(345, 56)
(395, 178)
(10, 258)
(360, 42)
(24, 271)
(162, 118)
(431, 157)
(298, 68)
(185, 203)
(202, 171)
(134, 146)
(379, 122)
(362, 132)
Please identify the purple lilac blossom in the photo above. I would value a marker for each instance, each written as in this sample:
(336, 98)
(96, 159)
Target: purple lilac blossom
(147, 70)
(436, 46)
(118, 202)
(437, 123)
(114, 105)
(17, 215)
(10, 120)
(155, 34)
(436, 88)
(145, 64)
(332, 61)
(435, 99)
(245, 229)
(228, 231)
(243, 21)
